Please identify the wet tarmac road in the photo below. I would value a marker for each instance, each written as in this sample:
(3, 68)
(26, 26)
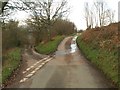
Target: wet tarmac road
(67, 69)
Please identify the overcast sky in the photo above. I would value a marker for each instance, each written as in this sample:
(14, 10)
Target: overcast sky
(76, 13)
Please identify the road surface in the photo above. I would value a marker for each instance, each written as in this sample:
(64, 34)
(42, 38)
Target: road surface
(67, 69)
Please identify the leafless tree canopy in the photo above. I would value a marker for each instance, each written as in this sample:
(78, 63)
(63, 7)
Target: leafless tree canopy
(44, 13)
(45, 21)
(47, 12)
(98, 15)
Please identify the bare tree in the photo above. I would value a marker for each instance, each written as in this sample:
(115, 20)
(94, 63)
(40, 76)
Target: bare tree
(3, 4)
(51, 15)
(101, 9)
(47, 12)
(91, 18)
(110, 14)
(43, 12)
(86, 7)
(98, 14)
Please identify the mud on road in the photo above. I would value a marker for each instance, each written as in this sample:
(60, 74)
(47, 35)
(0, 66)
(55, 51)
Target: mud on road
(28, 58)
(74, 71)
(67, 70)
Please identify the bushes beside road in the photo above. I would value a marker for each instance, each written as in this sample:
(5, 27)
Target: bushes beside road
(49, 47)
(11, 61)
(101, 48)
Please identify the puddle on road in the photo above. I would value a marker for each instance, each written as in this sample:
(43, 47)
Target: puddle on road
(73, 48)
(73, 45)
(62, 52)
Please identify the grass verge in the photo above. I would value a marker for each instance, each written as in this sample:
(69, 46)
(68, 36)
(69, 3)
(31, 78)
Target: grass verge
(11, 61)
(50, 46)
(107, 61)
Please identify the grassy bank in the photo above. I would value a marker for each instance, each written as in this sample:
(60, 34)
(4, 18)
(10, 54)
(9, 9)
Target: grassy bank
(49, 47)
(11, 61)
(105, 60)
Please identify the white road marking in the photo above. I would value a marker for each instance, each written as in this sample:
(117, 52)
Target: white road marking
(28, 69)
(33, 72)
(24, 72)
(42, 63)
(23, 80)
(29, 75)
(37, 69)
(48, 60)
(35, 64)
(31, 66)
(40, 66)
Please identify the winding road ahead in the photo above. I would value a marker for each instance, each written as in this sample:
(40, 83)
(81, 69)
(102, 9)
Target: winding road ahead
(66, 69)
